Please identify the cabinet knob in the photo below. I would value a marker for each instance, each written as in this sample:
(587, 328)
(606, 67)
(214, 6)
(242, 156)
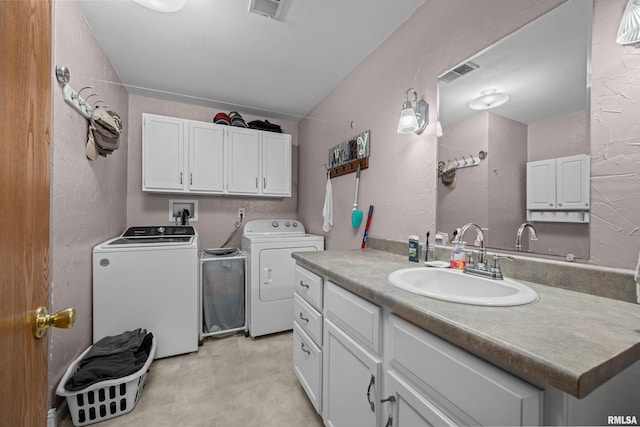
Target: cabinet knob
(304, 285)
(304, 318)
(559, 204)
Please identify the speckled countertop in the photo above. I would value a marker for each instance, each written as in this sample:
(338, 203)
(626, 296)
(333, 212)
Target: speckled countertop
(572, 341)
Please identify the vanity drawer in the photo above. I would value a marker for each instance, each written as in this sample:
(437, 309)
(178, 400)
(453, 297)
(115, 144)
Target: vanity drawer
(309, 286)
(307, 365)
(452, 375)
(357, 316)
(308, 318)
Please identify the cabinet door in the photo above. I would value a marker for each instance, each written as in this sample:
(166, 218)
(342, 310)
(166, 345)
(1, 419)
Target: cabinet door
(307, 365)
(541, 185)
(206, 157)
(410, 408)
(276, 164)
(163, 154)
(573, 181)
(350, 381)
(243, 161)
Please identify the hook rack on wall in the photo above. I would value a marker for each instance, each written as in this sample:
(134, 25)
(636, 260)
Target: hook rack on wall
(72, 97)
(466, 162)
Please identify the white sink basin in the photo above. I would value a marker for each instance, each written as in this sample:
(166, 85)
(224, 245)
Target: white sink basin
(456, 286)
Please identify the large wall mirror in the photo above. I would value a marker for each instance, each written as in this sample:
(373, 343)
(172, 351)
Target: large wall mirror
(543, 69)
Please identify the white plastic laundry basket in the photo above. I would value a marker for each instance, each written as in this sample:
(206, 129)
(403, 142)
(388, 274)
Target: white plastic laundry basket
(105, 399)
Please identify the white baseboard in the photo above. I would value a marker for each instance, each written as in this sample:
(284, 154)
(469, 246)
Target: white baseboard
(55, 415)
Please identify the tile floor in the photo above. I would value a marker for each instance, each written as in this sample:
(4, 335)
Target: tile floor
(231, 381)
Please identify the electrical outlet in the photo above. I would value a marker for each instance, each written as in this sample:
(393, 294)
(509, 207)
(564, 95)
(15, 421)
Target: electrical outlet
(240, 213)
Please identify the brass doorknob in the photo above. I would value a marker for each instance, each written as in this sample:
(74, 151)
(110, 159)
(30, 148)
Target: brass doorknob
(62, 319)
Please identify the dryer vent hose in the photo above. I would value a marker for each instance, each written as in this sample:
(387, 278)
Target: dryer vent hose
(234, 232)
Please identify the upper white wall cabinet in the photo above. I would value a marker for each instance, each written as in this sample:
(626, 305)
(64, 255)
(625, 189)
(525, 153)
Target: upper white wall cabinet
(558, 189)
(187, 156)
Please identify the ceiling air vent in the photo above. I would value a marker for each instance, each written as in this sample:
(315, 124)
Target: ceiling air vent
(267, 8)
(459, 71)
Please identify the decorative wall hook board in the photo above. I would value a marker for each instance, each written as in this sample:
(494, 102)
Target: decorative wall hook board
(345, 157)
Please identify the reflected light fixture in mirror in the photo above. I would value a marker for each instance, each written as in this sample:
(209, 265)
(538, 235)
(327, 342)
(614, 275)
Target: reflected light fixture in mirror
(629, 30)
(162, 5)
(489, 99)
(413, 119)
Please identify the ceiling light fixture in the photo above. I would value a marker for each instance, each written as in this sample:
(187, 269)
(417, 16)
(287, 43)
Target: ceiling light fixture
(489, 99)
(413, 119)
(162, 5)
(629, 30)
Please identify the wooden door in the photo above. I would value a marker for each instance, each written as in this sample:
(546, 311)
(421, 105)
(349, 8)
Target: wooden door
(25, 115)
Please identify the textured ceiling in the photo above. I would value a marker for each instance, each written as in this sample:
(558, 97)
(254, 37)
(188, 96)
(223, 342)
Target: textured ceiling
(215, 53)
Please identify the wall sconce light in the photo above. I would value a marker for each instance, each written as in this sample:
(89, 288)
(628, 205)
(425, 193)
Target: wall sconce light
(629, 30)
(489, 99)
(413, 119)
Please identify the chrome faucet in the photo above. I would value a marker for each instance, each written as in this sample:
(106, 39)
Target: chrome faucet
(532, 234)
(481, 263)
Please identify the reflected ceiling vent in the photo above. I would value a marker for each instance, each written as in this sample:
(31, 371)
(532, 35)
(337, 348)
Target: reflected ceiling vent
(459, 71)
(267, 8)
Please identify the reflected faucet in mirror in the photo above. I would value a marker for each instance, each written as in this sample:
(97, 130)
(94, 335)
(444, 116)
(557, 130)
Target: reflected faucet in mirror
(532, 234)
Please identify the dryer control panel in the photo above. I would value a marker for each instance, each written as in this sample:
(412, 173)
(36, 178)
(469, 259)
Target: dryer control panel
(274, 226)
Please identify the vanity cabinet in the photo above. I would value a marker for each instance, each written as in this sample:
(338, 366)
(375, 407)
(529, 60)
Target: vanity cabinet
(558, 189)
(307, 334)
(352, 364)
(435, 382)
(187, 156)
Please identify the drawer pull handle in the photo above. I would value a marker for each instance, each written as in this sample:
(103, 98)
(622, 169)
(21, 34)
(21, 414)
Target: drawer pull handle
(304, 318)
(304, 285)
(372, 382)
(304, 349)
(391, 399)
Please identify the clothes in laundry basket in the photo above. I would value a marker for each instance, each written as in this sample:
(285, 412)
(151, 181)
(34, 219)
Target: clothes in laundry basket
(112, 357)
(223, 295)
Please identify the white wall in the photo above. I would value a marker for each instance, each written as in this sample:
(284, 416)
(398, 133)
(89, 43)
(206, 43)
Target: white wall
(88, 198)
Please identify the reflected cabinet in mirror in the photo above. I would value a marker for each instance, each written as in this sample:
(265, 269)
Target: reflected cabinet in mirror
(525, 98)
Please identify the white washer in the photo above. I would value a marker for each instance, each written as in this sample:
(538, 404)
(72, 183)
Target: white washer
(148, 278)
(269, 245)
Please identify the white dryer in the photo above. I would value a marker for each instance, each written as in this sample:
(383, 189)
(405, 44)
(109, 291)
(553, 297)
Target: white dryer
(269, 245)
